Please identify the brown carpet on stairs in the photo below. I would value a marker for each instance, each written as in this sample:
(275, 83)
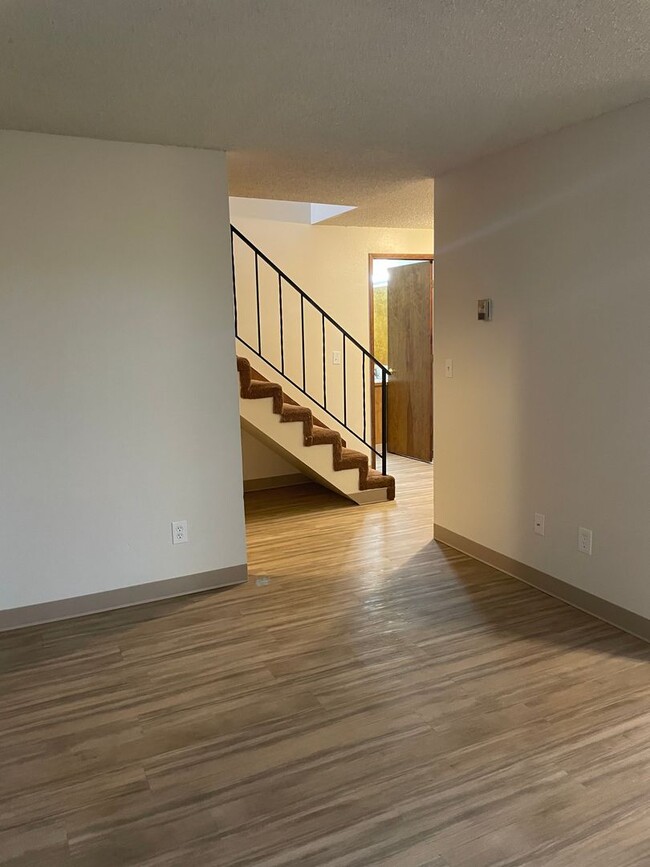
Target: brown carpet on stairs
(252, 385)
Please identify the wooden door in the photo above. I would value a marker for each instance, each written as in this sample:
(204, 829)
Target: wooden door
(410, 354)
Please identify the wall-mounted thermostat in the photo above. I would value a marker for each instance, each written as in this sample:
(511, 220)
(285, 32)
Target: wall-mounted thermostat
(485, 310)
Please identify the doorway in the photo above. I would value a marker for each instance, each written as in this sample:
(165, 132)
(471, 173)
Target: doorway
(401, 337)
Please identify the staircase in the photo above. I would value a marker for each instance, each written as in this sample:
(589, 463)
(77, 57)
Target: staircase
(279, 406)
(344, 470)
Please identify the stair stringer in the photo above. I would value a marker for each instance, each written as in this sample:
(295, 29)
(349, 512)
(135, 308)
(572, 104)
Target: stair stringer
(287, 441)
(317, 462)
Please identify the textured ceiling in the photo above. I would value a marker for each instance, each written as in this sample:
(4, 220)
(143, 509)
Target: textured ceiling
(384, 191)
(342, 101)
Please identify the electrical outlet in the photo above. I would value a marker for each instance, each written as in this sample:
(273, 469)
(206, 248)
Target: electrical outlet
(539, 523)
(585, 539)
(179, 532)
(336, 357)
(449, 368)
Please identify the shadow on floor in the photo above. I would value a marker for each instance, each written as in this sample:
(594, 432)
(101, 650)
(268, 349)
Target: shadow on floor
(295, 500)
(508, 606)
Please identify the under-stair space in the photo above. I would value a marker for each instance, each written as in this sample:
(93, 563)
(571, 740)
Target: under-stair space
(326, 427)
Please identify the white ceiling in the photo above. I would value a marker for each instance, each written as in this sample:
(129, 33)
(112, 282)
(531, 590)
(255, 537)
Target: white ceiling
(342, 101)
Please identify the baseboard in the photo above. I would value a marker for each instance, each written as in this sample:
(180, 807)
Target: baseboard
(285, 481)
(613, 614)
(123, 597)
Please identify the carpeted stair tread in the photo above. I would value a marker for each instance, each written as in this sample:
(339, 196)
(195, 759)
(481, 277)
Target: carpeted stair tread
(293, 411)
(350, 457)
(375, 479)
(263, 388)
(325, 435)
(252, 385)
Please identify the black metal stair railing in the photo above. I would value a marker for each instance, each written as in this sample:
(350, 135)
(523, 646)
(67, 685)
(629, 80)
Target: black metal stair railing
(372, 370)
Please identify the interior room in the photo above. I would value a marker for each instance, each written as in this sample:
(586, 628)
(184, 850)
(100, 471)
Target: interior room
(241, 623)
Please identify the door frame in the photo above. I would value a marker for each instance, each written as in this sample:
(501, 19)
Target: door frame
(427, 257)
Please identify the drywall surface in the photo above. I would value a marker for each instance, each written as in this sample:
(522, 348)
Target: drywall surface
(261, 462)
(548, 409)
(380, 322)
(118, 391)
(330, 263)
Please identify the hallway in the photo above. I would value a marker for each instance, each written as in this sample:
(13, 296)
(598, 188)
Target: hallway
(316, 532)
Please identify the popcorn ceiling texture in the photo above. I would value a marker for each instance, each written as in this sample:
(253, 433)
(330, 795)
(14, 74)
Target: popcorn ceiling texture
(344, 101)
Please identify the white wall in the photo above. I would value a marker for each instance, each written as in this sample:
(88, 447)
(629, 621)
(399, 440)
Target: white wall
(330, 263)
(118, 393)
(549, 407)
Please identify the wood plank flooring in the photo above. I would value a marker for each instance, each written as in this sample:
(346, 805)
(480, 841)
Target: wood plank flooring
(382, 700)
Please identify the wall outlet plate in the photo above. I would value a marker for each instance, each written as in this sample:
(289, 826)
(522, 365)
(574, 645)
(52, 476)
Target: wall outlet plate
(585, 540)
(179, 532)
(540, 520)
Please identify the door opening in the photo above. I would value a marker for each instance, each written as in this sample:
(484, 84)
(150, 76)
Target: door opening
(401, 337)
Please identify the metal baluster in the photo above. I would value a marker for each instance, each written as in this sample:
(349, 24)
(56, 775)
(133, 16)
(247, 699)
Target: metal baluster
(281, 323)
(257, 295)
(384, 421)
(234, 280)
(345, 386)
(302, 334)
(324, 368)
(363, 370)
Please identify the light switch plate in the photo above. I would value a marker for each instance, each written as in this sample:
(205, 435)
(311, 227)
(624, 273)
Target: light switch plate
(540, 520)
(449, 368)
(485, 310)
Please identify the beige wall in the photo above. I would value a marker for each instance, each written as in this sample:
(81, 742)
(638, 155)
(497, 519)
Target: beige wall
(549, 406)
(118, 396)
(261, 462)
(331, 264)
(380, 323)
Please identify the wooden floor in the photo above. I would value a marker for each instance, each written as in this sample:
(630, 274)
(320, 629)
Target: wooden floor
(377, 700)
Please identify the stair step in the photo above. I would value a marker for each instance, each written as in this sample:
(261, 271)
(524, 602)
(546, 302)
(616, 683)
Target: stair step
(325, 435)
(263, 388)
(353, 453)
(375, 479)
(290, 410)
(351, 459)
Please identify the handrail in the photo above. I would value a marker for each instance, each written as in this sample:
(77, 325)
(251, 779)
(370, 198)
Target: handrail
(288, 280)
(366, 357)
